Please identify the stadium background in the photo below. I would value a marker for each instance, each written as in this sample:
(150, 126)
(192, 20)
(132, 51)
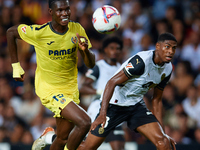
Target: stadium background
(23, 118)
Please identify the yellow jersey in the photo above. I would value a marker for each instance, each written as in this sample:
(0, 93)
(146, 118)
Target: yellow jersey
(56, 56)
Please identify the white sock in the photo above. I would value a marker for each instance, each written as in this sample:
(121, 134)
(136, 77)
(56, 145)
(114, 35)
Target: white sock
(48, 138)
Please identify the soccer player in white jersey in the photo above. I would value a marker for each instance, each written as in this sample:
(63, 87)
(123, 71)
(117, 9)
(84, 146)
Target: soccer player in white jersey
(95, 82)
(56, 44)
(122, 99)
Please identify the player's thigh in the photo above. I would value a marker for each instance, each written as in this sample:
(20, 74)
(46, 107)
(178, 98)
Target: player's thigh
(153, 131)
(114, 117)
(76, 114)
(92, 142)
(140, 116)
(64, 127)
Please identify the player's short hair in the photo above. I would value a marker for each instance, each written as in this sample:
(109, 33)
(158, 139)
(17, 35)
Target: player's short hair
(166, 36)
(51, 2)
(112, 39)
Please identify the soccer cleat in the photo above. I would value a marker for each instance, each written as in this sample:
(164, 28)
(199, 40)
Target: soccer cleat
(40, 143)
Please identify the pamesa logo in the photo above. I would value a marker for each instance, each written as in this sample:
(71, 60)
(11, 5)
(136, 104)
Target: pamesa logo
(61, 54)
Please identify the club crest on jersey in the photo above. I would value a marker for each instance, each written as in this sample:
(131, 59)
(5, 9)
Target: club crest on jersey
(163, 76)
(24, 29)
(129, 66)
(74, 40)
(63, 100)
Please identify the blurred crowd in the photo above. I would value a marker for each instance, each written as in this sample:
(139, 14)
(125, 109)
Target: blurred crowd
(23, 118)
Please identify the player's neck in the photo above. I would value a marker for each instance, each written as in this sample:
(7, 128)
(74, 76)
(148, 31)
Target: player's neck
(58, 28)
(157, 60)
(110, 62)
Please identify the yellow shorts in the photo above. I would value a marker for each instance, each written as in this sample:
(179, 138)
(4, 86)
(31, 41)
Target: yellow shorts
(59, 100)
(65, 148)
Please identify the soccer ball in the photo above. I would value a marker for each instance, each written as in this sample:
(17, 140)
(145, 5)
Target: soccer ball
(106, 19)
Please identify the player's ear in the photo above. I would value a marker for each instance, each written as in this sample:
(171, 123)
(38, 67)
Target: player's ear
(158, 45)
(50, 11)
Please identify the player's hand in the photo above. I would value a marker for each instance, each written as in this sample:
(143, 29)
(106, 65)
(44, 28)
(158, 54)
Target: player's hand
(82, 42)
(101, 119)
(172, 142)
(18, 72)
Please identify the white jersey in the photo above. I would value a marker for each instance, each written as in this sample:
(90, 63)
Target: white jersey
(143, 75)
(101, 73)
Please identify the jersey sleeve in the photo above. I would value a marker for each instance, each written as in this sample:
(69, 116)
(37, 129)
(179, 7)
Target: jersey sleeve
(93, 73)
(135, 66)
(83, 33)
(163, 83)
(27, 33)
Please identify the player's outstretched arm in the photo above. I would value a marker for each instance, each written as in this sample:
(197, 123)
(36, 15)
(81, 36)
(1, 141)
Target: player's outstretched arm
(87, 55)
(12, 35)
(118, 79)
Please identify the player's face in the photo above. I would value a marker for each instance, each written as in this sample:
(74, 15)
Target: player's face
(166, 51)
(61, 12)
(113, 51)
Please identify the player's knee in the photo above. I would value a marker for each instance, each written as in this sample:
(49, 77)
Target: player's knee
(85, 123)
(162, 143)
(61, 141)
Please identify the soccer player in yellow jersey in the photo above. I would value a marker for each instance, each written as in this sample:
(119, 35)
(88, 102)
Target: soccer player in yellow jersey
(56, 44)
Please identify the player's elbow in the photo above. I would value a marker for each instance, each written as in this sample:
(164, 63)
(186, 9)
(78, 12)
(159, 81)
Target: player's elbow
(9, 32)
(12, 32)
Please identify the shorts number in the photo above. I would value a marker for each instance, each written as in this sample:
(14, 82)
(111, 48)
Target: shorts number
(107, 119)
(58, 96)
